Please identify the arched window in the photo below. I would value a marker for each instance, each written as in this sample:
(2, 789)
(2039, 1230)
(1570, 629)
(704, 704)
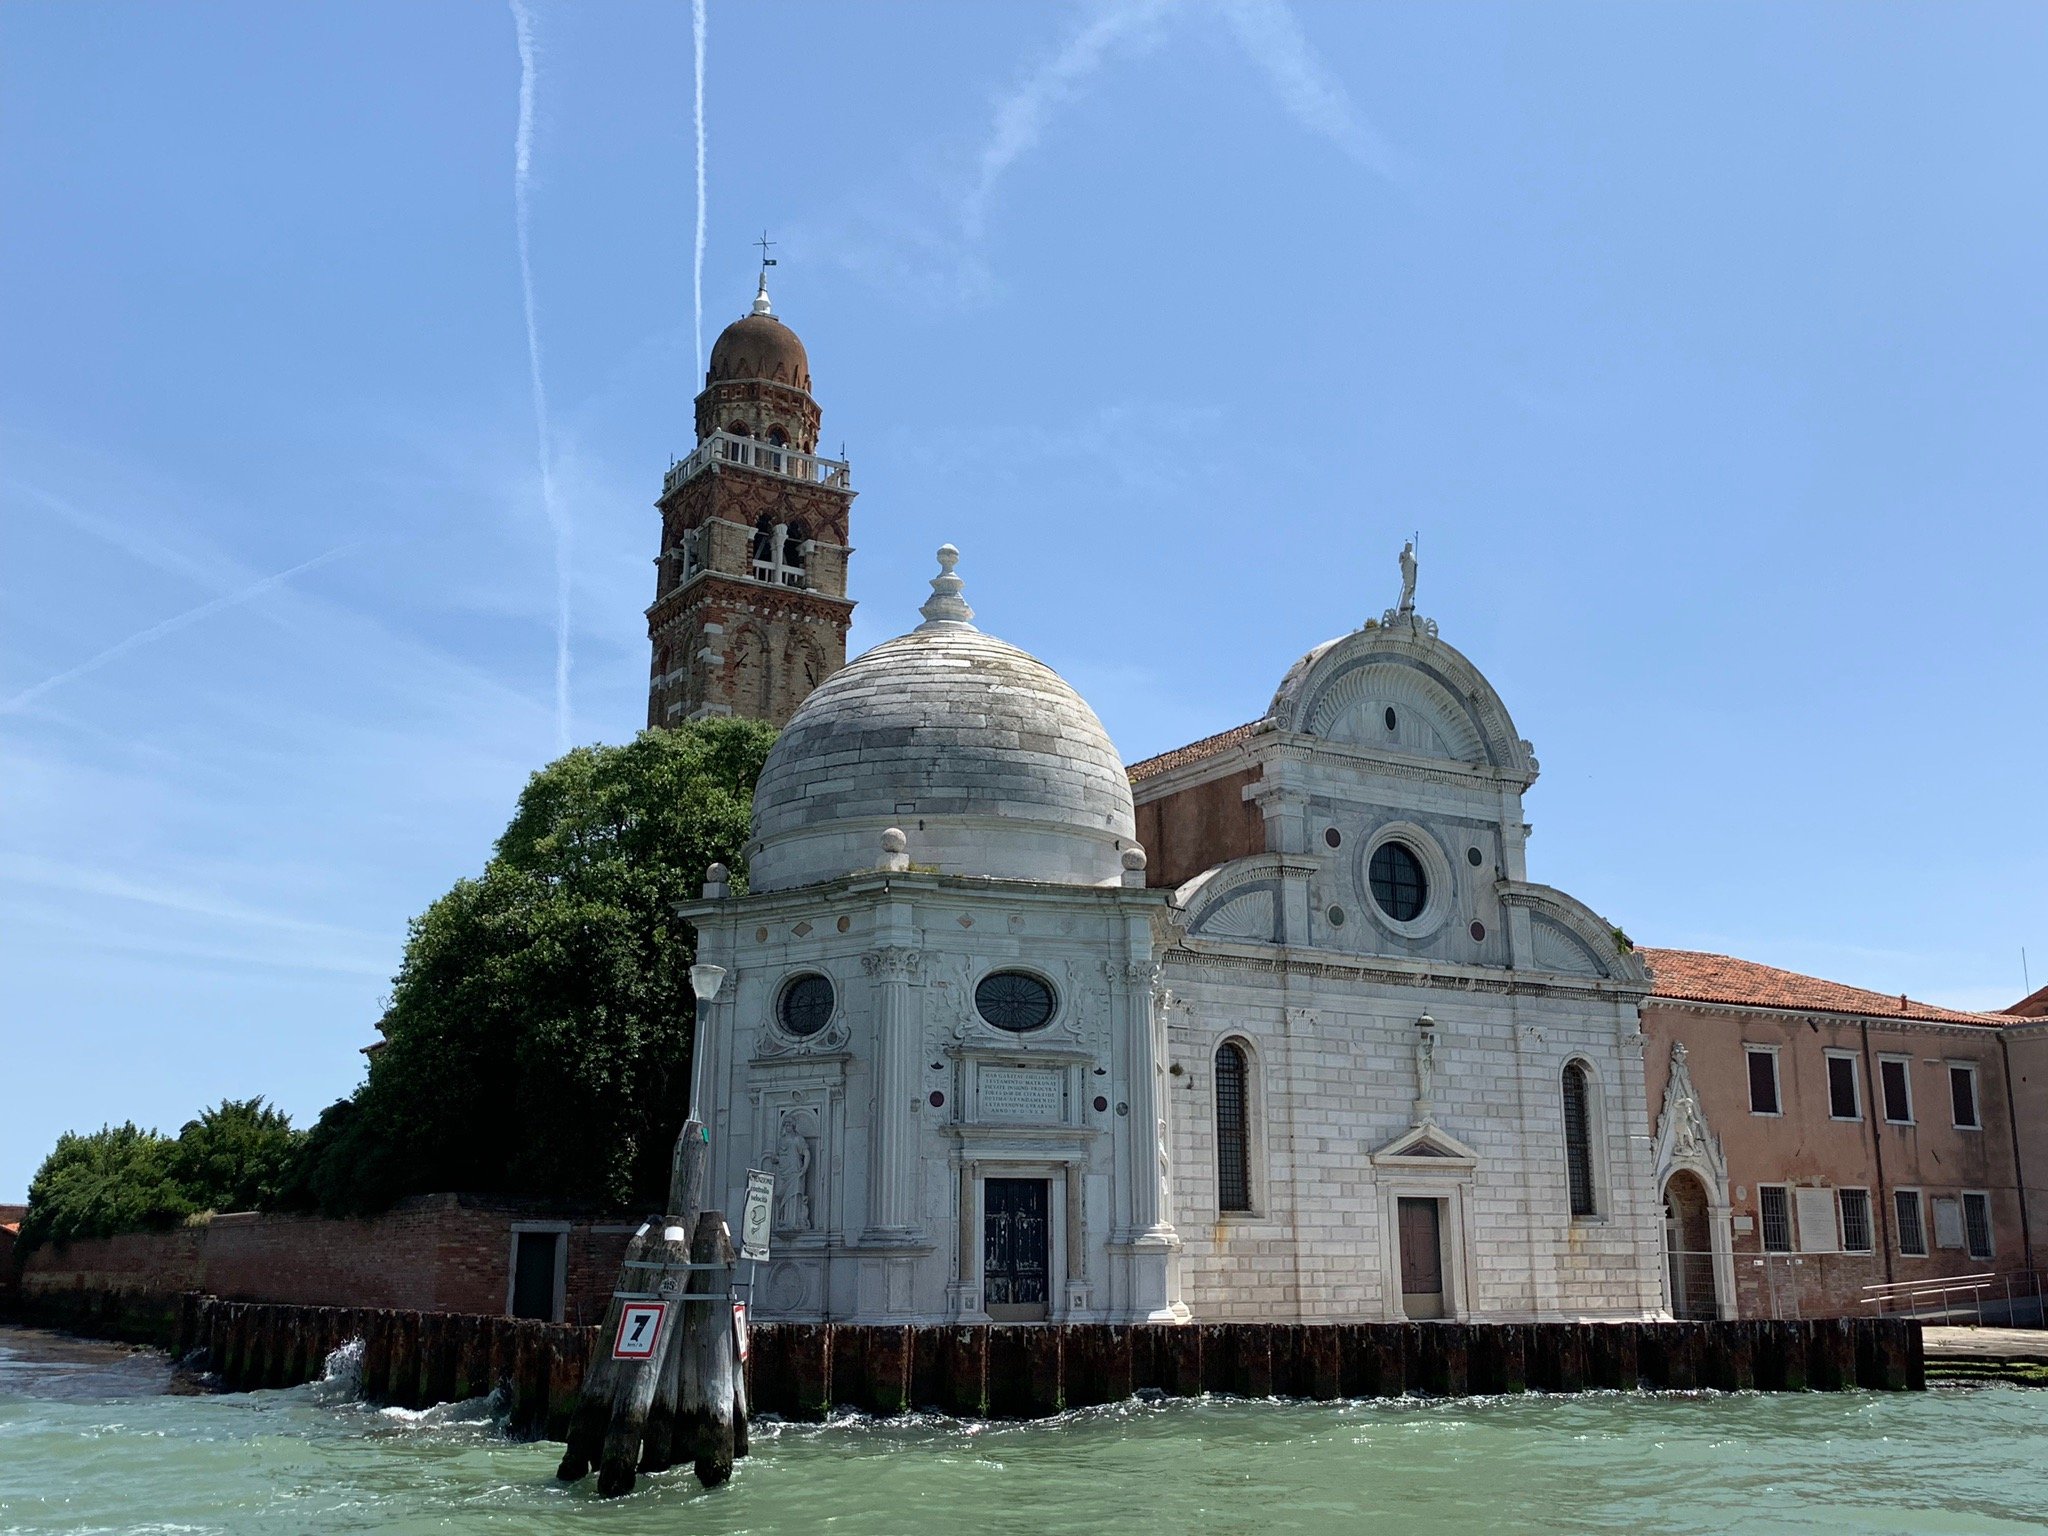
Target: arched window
(1578, 1139)
(764, 541)
(794, 539)
(1233, 1129)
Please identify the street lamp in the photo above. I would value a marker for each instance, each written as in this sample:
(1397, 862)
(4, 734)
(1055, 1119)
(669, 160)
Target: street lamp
(705, 980)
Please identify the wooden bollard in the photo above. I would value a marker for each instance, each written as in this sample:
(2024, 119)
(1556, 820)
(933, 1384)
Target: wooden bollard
(568, 1358)
(594, 1401)
(890, 1351)
(635, 1381)
(711, 1393)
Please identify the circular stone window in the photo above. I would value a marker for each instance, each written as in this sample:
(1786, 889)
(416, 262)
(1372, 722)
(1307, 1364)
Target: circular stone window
(1014, 1001)
(1393, 720)
(1474, 857)
(1398, 883)
(1333, 837)
(1336, 917)
(805, 1006)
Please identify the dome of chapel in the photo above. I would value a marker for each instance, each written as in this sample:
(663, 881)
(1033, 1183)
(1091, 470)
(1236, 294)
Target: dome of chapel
(759, 346)
(984, 757)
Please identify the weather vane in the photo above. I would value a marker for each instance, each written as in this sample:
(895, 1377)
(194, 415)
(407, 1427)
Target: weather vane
(765, 243)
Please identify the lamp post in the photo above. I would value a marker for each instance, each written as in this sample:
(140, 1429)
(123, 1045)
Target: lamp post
(705, 980)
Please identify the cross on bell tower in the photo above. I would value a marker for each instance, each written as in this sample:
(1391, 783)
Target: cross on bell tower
(750, 610)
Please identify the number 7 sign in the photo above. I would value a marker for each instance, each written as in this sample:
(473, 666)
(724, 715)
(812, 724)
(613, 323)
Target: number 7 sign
(639, 1330)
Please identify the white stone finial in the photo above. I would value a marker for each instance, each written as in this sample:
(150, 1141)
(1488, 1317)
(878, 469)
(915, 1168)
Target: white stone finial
(717, 883)
(946, 605)
(894, 857)
(1134, 867)
(761, 305)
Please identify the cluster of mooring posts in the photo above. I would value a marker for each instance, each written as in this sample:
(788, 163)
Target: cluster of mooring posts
(668, 1382)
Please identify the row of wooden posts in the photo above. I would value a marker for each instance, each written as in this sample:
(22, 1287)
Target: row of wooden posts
(806, 1370)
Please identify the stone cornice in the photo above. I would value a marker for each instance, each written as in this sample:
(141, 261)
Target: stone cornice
(1333, 965)
(765, 598)
(880, 885)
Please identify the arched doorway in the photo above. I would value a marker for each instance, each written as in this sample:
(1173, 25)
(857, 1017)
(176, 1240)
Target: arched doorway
(1689, 1247)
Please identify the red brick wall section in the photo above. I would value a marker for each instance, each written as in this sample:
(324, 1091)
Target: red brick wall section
(435, 1253)
(1198, 828)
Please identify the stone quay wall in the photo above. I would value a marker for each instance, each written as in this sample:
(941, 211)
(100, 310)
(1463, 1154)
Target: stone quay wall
(805, 1370)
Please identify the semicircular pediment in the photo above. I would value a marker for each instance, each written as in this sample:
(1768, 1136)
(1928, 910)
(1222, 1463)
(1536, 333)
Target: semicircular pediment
(1391, 705)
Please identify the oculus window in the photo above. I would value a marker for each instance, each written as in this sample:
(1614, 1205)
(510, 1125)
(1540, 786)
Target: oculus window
(1398, 883)
(1014, 1001)
(805, 1006)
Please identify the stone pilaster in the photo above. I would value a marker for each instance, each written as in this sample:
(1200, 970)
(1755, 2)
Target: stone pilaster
(892, 1173)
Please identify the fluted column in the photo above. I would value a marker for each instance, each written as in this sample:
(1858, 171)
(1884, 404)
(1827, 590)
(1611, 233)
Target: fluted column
(892, 1168)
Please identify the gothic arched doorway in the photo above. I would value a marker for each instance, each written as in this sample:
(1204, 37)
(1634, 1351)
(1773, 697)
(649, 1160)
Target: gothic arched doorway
(1689, 1247)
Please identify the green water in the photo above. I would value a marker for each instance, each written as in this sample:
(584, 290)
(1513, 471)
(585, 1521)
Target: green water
(89, 1443)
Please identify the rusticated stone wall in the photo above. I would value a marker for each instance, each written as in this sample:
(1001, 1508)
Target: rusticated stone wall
(803, 1371)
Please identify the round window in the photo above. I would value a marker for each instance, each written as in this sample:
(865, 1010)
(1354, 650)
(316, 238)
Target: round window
(1336, 916)
(1014, 1001)
(1398, 883)
(805, 1006)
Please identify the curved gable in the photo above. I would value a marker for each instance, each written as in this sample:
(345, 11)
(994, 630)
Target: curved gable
(1349, 690)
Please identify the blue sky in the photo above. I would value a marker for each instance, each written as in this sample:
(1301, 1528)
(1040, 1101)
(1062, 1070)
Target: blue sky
(1705, 346)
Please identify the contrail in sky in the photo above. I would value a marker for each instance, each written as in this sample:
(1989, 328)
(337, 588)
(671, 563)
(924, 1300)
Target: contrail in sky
(168, 627)
(697, 35)
(558, 521)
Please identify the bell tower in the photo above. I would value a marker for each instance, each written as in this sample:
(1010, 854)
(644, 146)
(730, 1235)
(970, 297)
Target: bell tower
(750, 608)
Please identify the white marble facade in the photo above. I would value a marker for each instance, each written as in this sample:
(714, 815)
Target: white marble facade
(980, 1054)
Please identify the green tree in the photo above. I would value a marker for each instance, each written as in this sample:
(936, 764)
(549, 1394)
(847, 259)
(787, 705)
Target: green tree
(537, 1040)
(116, 1179)
(235, 1156)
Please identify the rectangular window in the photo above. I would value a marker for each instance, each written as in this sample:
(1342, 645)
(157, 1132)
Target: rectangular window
(1898, 1089)
(1977, 1223)
(1962, 1094)
(1763, 1079)
(1774, 1206)
(1845, 1102)
(1855, 1220)
(1578, 1141)
(1912, 1229)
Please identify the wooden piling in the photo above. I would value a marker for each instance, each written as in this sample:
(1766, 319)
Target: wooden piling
(635, 1381)
(594, 1399)
(710, 1394)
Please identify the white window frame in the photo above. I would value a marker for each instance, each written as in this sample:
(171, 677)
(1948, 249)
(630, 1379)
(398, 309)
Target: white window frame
(1976, 1096)
(1777, 1080)
(1884, 1099)
(1869, 1218)
(1990, 1224)
(1832, 1056)
(1763, 1225)
(1899, 1227)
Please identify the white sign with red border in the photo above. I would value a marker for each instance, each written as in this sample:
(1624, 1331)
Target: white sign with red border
(640, 1324)
(739, 1327)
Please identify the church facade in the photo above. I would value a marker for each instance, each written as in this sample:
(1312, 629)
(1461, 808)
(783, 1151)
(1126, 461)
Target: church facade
(1275, 1026)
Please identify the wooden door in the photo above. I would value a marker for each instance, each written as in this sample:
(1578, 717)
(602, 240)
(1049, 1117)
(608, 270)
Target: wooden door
(1422, 1257)
(1016, 1244)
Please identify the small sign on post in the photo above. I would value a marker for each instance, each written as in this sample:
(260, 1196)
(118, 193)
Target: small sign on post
(640, 1325)
(739, 1328)
(758, 1222)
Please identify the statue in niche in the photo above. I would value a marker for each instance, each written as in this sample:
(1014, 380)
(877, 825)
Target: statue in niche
(1407, 578)
(791, 1165)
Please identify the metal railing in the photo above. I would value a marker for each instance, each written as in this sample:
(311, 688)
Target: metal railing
(758, 453)
(2012, 1299)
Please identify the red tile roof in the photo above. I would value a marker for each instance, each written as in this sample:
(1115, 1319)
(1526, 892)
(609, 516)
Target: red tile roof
(1694, 976)
(2033, 1006)
(1193, 752)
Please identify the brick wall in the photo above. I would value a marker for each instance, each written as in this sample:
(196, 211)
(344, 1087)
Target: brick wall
(434, 1253)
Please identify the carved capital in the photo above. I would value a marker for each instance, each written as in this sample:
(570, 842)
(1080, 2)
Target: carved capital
(894, 963)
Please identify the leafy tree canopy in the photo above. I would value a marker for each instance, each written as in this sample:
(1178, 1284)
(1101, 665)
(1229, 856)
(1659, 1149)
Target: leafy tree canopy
(538, 1036)
(235, 1156)
(115, 1179)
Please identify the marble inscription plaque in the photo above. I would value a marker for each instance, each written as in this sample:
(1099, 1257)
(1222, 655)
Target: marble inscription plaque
(1021, 1095)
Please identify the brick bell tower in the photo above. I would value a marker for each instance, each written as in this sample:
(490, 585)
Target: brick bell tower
(750, 607)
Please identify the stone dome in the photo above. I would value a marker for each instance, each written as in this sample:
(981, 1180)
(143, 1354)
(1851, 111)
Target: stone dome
(759, 346)
(978, 752)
